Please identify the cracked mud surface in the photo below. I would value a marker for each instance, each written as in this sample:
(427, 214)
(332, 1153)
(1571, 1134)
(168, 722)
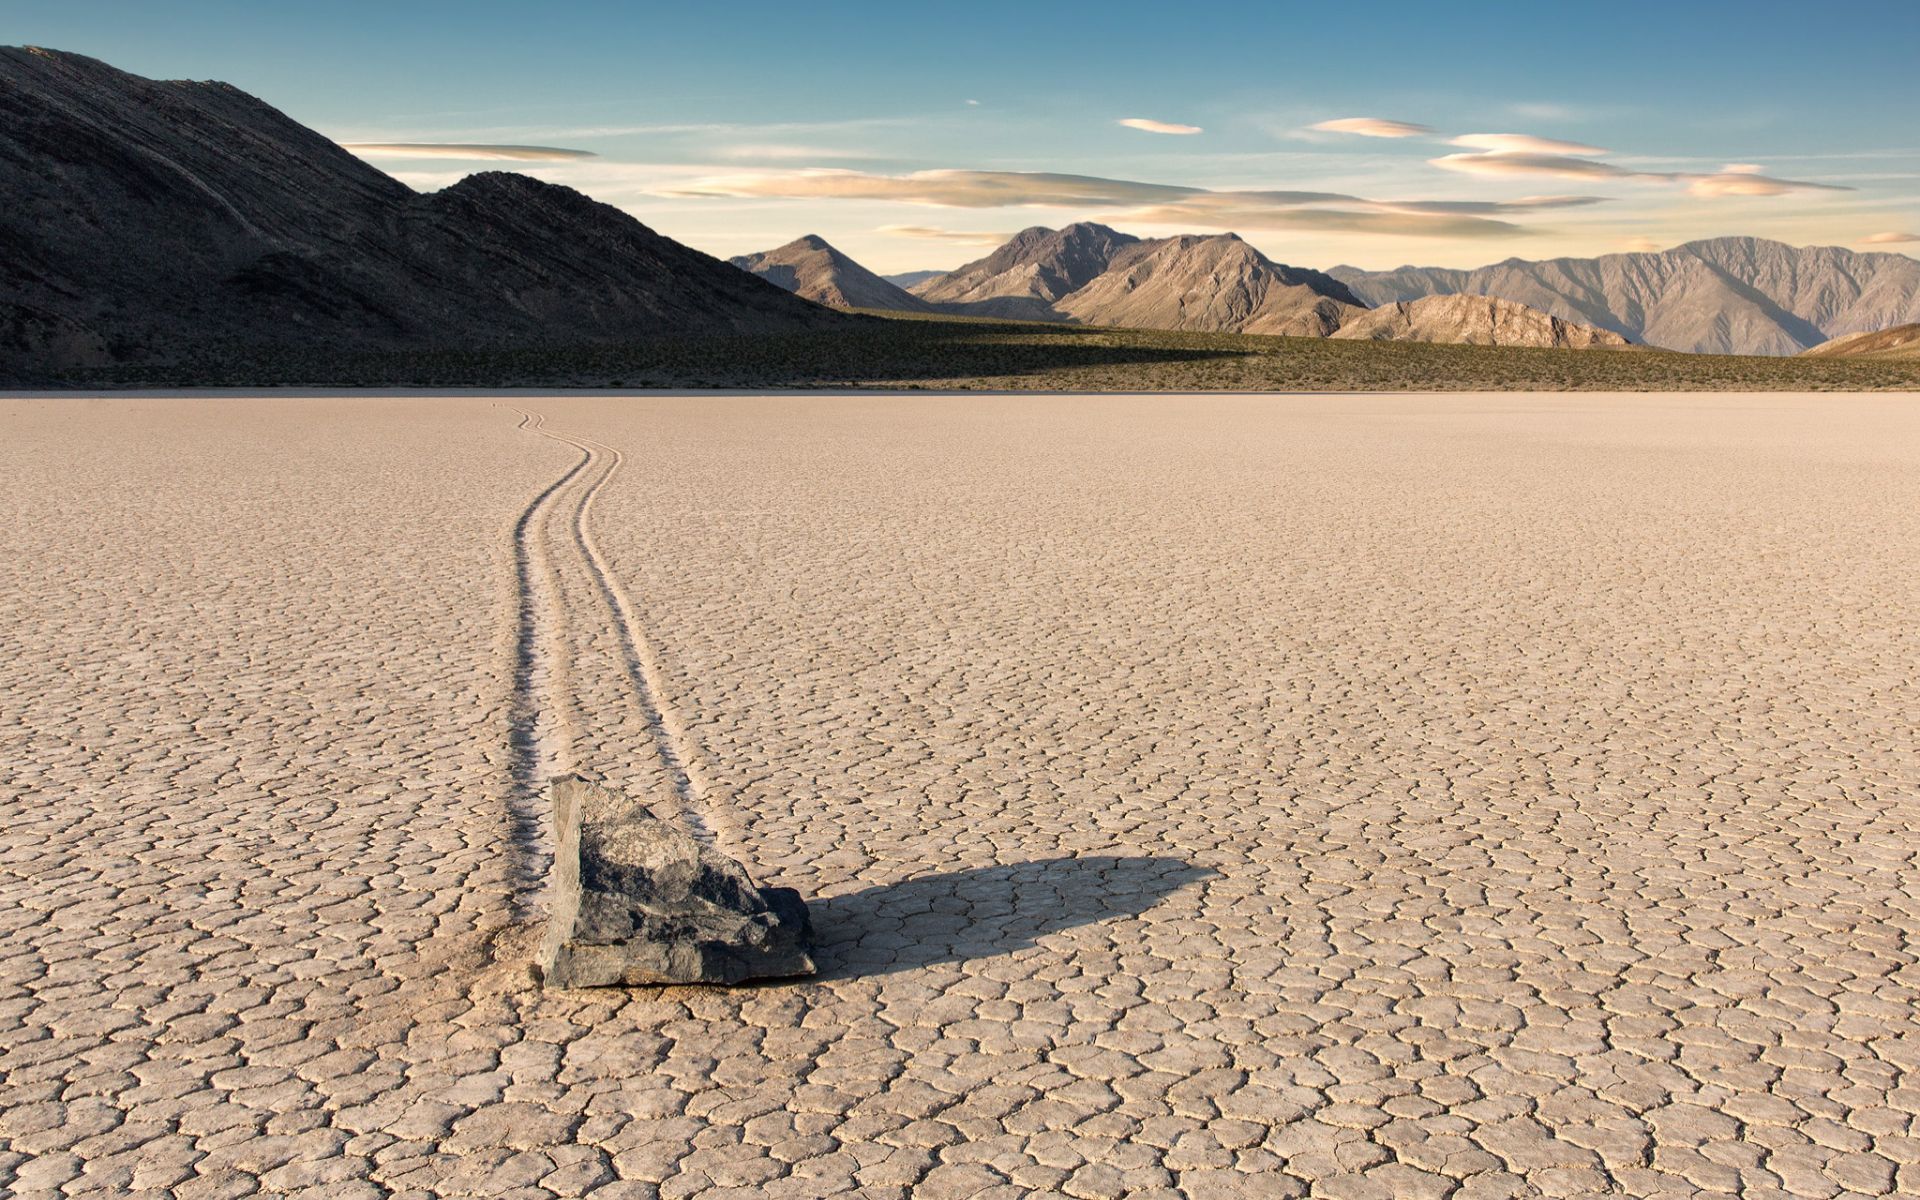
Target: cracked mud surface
(1341, 796)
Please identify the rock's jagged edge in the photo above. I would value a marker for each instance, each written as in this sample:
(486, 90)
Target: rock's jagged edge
(638, 900)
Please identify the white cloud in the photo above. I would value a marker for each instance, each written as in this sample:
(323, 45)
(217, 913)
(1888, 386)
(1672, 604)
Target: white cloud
(1561, 166)
(1152, 126)
(1751, 183)
(1376, 127)
(1524, 143)
(1744, 181)
(466, 150)
(1889, 239)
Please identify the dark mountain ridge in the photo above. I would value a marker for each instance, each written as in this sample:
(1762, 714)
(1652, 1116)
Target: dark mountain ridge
(149, 219)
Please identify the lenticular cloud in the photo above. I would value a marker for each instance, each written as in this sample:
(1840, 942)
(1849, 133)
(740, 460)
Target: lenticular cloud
(1524, 143)
(1376, 127)
(1152, 126)
(466, 150)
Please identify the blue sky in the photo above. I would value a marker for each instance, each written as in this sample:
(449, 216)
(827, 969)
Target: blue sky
(916, 135)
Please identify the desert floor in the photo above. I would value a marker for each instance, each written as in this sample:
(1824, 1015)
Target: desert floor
(1390, 796)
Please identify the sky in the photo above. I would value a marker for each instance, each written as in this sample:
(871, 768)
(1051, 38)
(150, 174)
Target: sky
(917, 136)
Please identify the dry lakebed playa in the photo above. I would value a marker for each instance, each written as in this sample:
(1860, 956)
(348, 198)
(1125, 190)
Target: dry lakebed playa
(1469, 795)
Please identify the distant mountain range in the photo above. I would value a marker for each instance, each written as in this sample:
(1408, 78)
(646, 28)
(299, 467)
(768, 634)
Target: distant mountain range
(1093, 275)
(153, 222)
(911, 279)
(144, 220)
(1734, 295)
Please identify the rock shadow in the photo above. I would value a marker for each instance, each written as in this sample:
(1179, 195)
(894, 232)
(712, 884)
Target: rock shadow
(983, 912)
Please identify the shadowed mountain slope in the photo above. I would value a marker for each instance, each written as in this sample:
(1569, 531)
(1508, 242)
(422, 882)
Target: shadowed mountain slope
(813, 270)
(149, 219)
(1733, 295)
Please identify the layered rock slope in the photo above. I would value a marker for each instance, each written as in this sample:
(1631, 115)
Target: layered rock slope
(1473, 321)
(1215, 284)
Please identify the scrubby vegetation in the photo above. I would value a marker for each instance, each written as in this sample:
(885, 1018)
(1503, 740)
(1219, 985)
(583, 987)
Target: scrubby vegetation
(944, 353)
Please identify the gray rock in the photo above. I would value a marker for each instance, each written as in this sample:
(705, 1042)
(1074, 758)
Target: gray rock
(638, 900)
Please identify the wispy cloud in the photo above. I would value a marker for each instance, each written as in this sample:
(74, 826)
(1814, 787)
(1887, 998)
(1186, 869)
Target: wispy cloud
(965, 237)
(1890, 238)
(1524, 143)
(1541, 111)
(1374, 127)
(1152, 126)
(1742, 179)
(757, 131)
(1559, 166)
(946, 188)
(1150, 203)
(1748, 182)
(466, 150)
(1523, 204)
(1237, 211)
(785, 152)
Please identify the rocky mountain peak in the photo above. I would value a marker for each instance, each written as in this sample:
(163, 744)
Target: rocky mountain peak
(815, 270)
